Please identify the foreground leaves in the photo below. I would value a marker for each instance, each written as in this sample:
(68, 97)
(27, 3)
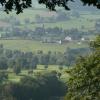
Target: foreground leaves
(19, 5)
(84, 83)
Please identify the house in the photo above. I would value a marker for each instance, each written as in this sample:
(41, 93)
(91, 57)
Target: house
(82, 39)
(59, 42)
(68, 38)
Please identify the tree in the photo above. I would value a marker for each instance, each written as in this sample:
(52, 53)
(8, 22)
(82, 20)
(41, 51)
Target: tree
(3, 77)
(44, 87)
(59, 75)
(84, 83)
(3, 63)
(96, 44)
(33, 62)
(19, 5)
(46, 66)
(17, 69)
(8, 53)
(60, 68)
(30, 72)
(1, 49)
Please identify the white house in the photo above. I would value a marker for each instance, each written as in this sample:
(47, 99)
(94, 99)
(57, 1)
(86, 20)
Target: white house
(59, 42)
(82, 39)
(68, 38)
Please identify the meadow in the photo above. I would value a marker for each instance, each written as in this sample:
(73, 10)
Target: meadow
(38, 71)
(34, 46)
(86, 19)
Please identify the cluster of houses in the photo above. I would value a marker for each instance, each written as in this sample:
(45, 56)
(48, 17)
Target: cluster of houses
(67, 39)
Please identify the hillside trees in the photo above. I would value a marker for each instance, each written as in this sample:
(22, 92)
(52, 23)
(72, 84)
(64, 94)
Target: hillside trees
(29, 60)
(44, 87)
(3, 77)
(17, 69)
(19, 5)
(3, 63)
(84, 83)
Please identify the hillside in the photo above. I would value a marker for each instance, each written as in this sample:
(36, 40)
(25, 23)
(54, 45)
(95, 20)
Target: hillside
(31, 15)
(30, 25)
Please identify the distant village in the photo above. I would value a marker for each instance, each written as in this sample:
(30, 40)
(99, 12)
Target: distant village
(66, 40)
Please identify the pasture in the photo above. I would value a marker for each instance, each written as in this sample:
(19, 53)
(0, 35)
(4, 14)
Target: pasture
(34, 46)
(86, 19)
(39, 70)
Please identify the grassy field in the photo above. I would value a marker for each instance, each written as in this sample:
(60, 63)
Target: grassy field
(28, 13)
(86, 19)
(40, 69)
(34, 46)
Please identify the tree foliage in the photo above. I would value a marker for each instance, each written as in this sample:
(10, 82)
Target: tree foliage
(96, 44)
(44, 87)
(17, 70)
(84, 83)
(3, 77)
(19, 5)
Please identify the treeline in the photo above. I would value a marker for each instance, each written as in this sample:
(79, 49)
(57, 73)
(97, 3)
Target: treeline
(29, 60)
(43, 87)
(40, 33)
(83, 83)
(61, 16)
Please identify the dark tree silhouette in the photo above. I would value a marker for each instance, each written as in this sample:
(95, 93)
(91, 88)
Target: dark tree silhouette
(19, 5)
(51, 4)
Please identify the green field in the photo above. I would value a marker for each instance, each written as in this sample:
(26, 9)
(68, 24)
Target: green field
(34, 46)
(86, 19)
(40, 70)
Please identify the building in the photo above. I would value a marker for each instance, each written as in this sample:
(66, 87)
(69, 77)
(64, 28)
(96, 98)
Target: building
(68, 38)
